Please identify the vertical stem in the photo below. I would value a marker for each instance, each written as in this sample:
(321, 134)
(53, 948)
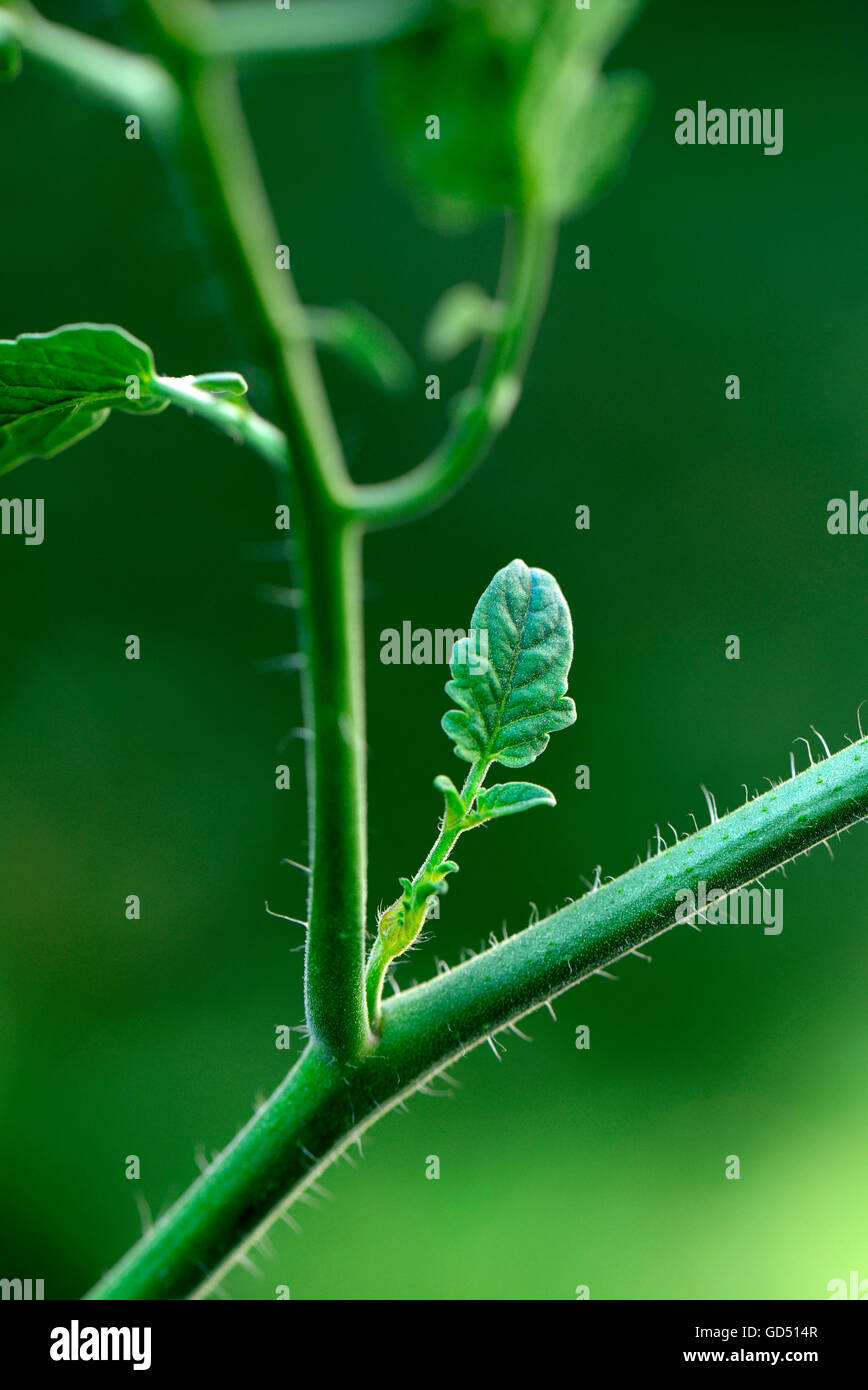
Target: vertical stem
(319, 1106)
(334, 698)
(220, 163)
(330, 559)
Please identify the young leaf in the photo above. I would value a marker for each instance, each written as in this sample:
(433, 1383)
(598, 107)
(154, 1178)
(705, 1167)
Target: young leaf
(506, 798)
(511, 702)
(502, 800)
(57, 387)
(454, 812)
(522, 113)
(463, 314)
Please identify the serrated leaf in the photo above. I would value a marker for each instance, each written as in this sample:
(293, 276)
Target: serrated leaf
(463, 314)
(510, 672)
(57, 387)
(523, 115)
(506, 798)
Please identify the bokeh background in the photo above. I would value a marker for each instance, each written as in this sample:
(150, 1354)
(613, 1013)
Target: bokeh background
(558, 1167)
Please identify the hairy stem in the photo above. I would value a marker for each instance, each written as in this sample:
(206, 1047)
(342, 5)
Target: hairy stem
(347, 1077)
(385, 948)
(190, 102)
(321, 1106)
(217, 155)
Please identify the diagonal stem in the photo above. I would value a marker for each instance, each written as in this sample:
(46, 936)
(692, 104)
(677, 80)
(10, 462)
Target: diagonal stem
(230, 416)
(341, 1085)
(130, 81)
(321, 1107)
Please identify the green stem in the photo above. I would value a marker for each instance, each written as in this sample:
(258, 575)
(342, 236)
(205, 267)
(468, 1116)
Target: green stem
(448, 836)
(212, 144)
(334, 708)
(248, 34)
(342, 1083)
(379, 960)
(382, 953)
(136, 84)
(219, 159)
(321, 1106)
(229, 416)
(486, 407)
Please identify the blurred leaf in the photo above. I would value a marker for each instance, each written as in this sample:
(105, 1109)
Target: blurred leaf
(365, 342)
(10, 51)
(463, 314)
(454, 72)
(57, 387)
(572, 172)
(513, 699)
(10, 61)
(523, 114)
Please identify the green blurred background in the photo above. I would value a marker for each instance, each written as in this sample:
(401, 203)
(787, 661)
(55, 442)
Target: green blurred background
(558, 1167)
